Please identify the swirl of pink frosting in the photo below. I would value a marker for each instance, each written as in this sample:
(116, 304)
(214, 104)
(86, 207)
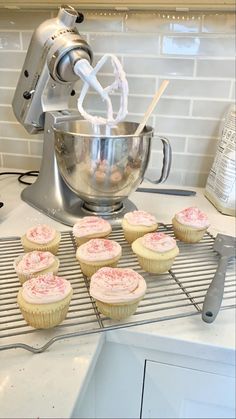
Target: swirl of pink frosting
(41, 234)
(117, 285)
(140, 218)
(193, 217)
(34, 262)
(158, 242)
(99, 249)
(45, 289)
(90, 225)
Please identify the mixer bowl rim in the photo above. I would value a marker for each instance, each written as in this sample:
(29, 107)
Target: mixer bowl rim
(147, 130)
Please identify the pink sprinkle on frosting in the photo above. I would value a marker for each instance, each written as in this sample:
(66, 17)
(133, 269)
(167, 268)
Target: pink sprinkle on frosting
(90, 225)
(45, 289)
(99, 249)
(117, 285)
(158, 242)
(34, 262)
(193, 217)
(41, 234)
(140, 218)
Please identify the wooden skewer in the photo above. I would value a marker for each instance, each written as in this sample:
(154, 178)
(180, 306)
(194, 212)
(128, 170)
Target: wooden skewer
(152, 106)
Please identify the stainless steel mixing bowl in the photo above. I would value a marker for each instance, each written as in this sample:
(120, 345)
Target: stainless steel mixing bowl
(103, 170)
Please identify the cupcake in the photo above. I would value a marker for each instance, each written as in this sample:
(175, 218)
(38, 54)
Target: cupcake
(190, 225)
(89, 228)
(35, 263)
(117, 291)
(97, 253)
(137, 223)
(42, 237)
(44, 300)
(156, 252)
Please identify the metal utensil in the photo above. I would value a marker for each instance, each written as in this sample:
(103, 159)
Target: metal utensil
(225, 246)
(163, 191)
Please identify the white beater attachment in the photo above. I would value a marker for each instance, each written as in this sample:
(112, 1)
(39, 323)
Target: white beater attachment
(88, 74)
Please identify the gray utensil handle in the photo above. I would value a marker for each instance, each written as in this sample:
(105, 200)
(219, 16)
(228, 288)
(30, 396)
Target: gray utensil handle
(167, 160)
(215, 292)
(180, 192)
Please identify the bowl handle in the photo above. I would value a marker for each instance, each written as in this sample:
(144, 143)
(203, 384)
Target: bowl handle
(167, 160)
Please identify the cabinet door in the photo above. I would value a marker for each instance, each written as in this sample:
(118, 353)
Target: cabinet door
(176, 392)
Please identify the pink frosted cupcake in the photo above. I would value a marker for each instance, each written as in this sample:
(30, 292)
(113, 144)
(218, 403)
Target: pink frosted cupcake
(35, 263)
(137, 223)
(156, 252)
(97, 253)
(89, 228)
(117, 291)
(190, 225)
(42, 237)
(44, 300)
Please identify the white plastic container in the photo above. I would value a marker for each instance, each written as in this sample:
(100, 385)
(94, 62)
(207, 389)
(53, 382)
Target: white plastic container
(220, 186)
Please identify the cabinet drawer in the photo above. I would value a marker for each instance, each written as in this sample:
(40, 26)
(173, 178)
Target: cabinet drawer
(176, 392)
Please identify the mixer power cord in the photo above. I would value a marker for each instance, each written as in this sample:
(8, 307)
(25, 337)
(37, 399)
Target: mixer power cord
(21, 175)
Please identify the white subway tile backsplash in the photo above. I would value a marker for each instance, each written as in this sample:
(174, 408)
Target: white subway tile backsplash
(6, 114)
(146, 22)
(12, 61)
(194, 50)
(125, 44)
(219, 23)
(26, 38)
(187, 126)
(36, 148)
(22, 19)
(195, 179)
(199, 88)
(164, 107)
(21, 162)
(9, 78)
(176, 45)
(186, 23)
(19, 146)
(6, 96)
(101, 22)
(10, 40)
(191, 163)
(179, 22)
(15, 130)
(203, 146)
(210, 108)
(216, 68)
(159, 66)
(196, 45)
(180, 162)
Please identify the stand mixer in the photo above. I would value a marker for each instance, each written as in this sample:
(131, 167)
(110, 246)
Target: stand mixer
(81, 172)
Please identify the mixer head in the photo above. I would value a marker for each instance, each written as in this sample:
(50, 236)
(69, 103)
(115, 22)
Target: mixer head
(47, 78)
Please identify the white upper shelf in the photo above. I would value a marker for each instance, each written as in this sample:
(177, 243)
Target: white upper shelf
(179, 5)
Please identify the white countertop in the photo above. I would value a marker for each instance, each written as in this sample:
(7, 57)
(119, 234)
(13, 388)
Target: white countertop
(27, 381)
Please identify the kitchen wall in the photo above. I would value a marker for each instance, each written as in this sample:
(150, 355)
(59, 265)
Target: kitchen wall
(195, 51)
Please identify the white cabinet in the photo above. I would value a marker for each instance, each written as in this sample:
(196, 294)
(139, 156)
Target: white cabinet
(131, 382)
(175, 392)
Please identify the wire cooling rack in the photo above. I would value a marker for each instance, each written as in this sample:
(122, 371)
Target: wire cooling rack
(178, 293)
